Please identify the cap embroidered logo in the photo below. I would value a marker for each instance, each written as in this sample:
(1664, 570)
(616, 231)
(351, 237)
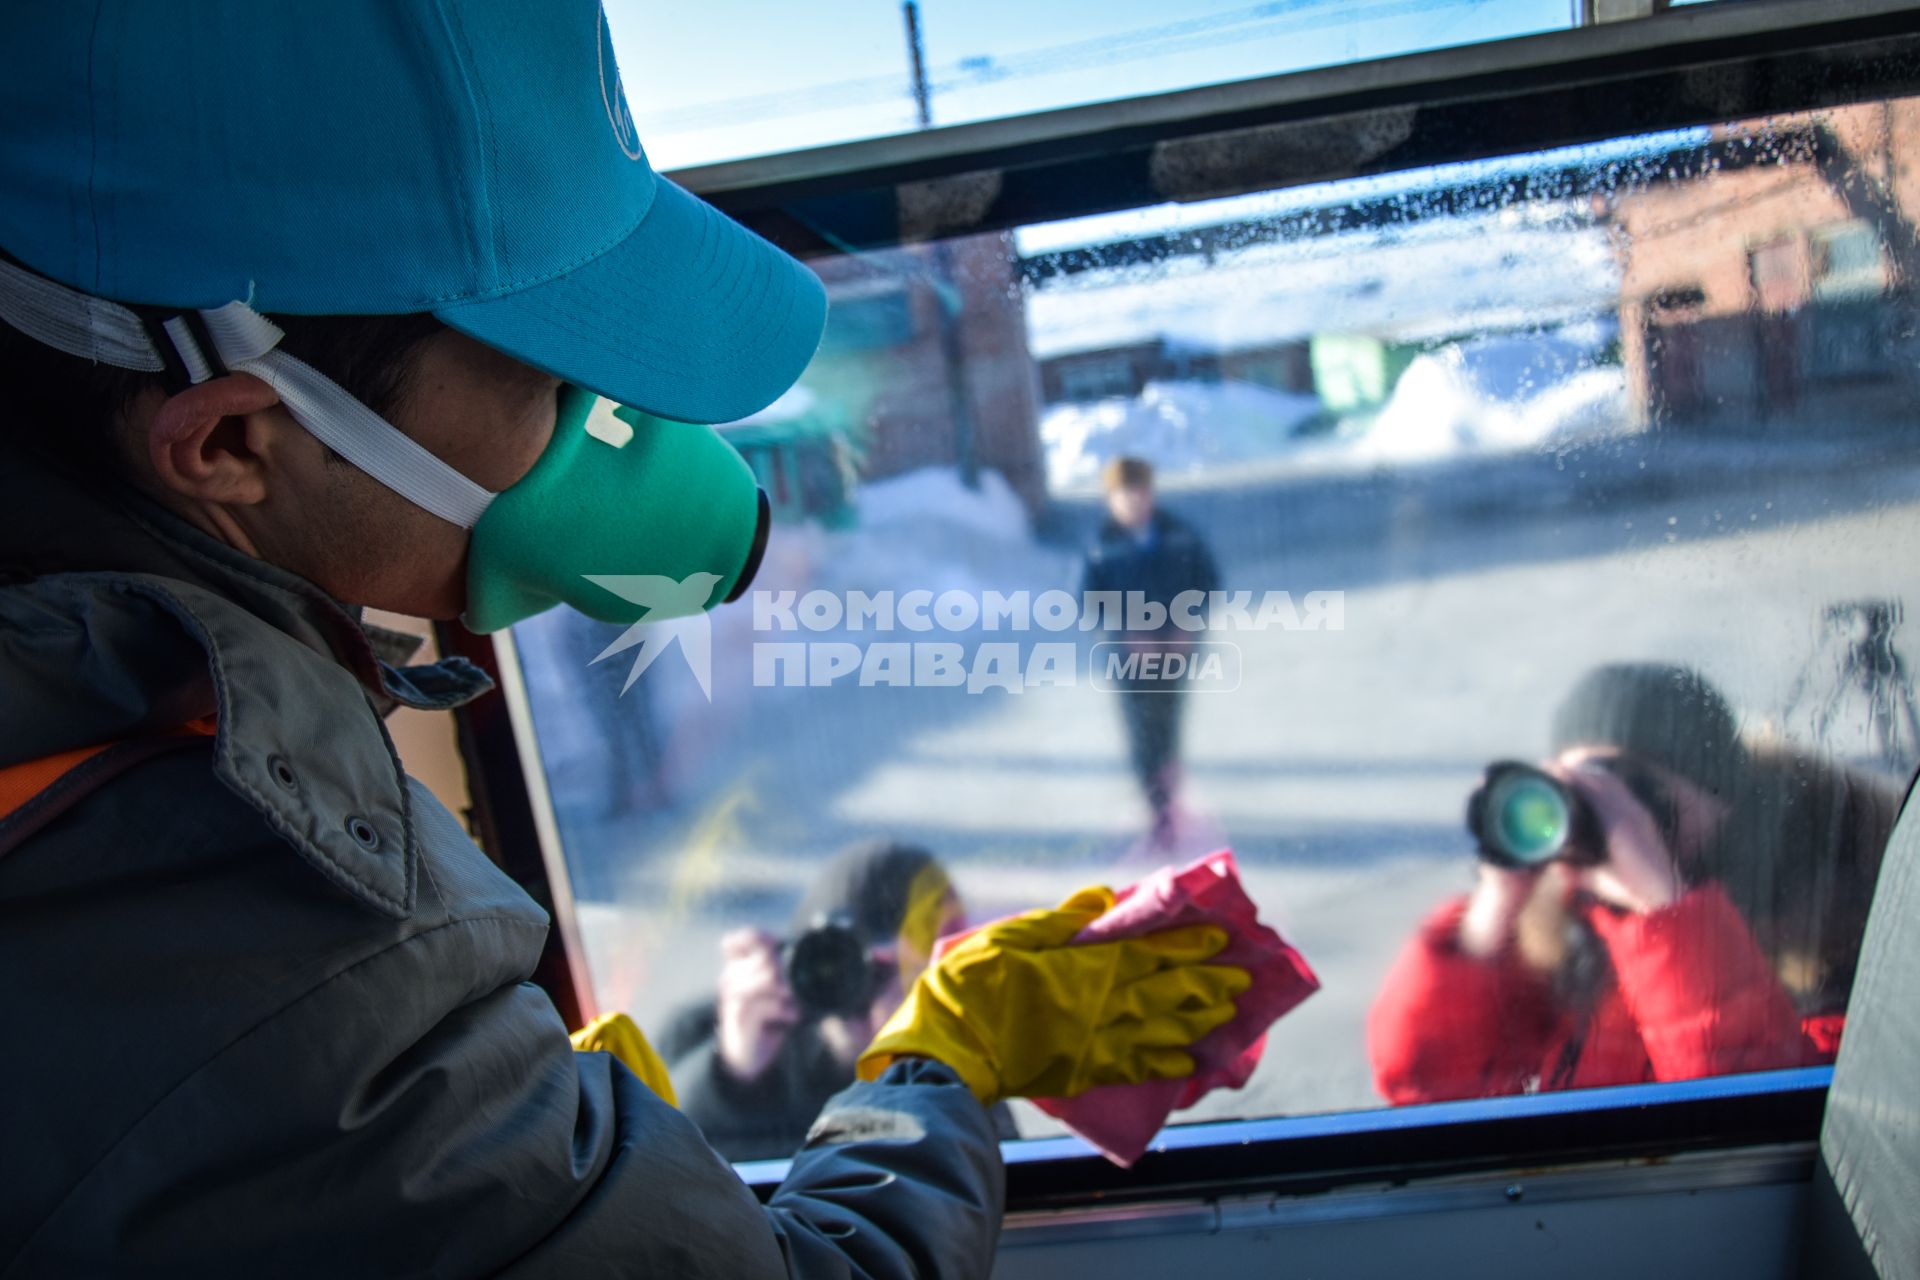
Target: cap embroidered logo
(614, 97)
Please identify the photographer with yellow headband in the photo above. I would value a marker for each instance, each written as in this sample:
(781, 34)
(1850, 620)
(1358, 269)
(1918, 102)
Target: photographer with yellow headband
(791, 1015)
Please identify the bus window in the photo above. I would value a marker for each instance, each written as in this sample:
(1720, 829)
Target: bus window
(1504, 559)
(814, 77)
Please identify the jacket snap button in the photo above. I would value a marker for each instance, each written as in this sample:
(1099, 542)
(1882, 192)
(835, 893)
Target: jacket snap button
(282, 774)
(363, 833)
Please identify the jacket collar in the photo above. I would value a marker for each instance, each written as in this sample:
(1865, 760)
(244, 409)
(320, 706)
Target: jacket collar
(121, 620)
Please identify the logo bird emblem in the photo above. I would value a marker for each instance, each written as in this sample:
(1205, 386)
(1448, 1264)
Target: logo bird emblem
(680, 607)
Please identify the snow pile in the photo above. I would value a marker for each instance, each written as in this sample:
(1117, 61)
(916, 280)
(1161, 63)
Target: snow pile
(1180, 427)
(934, 499)
(923, 530)
(1497, 394)
(1591, 402)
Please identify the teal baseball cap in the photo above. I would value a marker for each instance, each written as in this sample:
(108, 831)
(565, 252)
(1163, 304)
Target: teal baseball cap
(474, 159)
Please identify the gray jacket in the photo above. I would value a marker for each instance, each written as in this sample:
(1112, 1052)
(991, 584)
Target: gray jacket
(266, 1008)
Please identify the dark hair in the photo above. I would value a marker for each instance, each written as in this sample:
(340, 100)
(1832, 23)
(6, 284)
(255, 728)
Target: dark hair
(870, 884)
(1800, 860)
(69, 408)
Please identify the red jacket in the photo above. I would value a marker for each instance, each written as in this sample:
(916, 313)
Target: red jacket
(1690, 994)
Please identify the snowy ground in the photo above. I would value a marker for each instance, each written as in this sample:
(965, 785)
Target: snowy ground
(1476, 594)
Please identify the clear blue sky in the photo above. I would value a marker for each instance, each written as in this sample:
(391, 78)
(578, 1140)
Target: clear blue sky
(720, 79)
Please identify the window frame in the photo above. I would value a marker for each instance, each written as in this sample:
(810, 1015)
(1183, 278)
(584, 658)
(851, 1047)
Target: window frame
(1684, 67)
(1311, 1154)
(1689, 66)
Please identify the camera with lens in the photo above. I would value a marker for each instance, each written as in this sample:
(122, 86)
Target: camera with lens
(829, 970)
(1522, 816)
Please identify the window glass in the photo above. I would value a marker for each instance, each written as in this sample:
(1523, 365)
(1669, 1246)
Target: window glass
(1601, 461)
(839, 71)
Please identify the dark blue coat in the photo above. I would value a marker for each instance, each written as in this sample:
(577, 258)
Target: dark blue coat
(242, 1041)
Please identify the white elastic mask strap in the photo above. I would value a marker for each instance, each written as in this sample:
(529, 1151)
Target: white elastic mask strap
(245, 341)
(91, 328)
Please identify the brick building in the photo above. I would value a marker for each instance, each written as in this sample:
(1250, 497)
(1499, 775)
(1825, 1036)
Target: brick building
(926, 358)
(1770, 285)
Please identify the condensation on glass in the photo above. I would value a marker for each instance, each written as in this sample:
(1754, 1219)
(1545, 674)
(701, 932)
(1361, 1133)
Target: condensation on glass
(1453, 441)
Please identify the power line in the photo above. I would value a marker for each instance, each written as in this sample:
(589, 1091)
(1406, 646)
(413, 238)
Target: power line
(1033, 64)
(1255, 22)
(967, 72)
(1194, 33)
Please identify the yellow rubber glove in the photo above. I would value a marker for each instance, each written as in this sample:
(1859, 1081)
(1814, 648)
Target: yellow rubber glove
(1017, 1012)
(617, 1034)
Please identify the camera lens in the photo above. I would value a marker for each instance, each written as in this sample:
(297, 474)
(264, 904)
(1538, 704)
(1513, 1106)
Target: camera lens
(1521, 815)
(828, 969)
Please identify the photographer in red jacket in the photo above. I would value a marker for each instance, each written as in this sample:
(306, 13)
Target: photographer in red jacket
(1703, 919)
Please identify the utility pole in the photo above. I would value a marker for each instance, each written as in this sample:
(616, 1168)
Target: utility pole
(946, 296)
(917, 55)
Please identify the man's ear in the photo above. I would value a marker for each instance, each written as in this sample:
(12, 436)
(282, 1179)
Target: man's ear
(211, 441)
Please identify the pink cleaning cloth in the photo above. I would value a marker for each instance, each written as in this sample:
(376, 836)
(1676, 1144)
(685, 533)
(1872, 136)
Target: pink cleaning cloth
(1121, 1119)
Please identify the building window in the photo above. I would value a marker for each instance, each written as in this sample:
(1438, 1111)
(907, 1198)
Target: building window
(1847, 261)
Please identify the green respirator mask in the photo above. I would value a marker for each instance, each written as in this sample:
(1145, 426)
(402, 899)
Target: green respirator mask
(624, 517)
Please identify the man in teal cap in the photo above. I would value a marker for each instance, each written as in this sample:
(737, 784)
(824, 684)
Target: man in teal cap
(316, 303)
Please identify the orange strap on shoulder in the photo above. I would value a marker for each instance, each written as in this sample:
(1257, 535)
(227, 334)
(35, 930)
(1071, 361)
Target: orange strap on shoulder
(20, 783)
(33, 792)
